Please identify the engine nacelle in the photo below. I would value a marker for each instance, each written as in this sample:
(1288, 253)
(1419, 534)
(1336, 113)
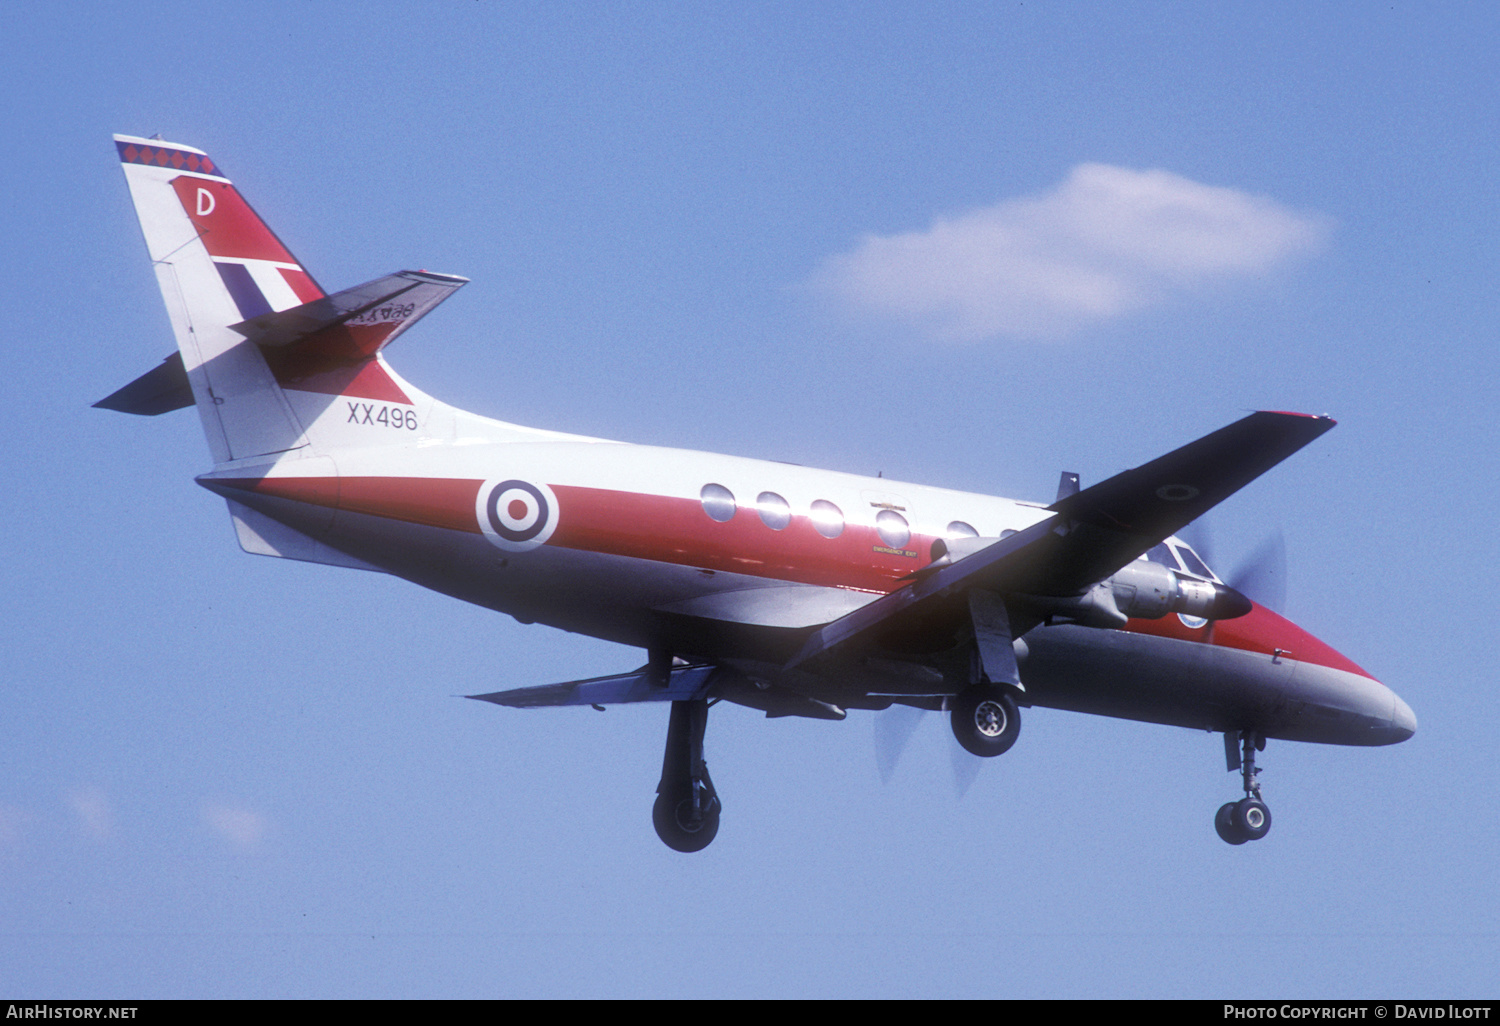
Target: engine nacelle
(1141, 590)
(1151, 591)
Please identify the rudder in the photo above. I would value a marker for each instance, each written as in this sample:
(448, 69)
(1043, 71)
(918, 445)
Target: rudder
(217, 264)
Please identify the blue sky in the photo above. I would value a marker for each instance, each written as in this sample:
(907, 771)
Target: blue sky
(776, 231)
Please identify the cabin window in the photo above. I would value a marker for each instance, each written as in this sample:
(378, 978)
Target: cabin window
(718, 502)
(773, 510)
(892, 528)
(827, 518)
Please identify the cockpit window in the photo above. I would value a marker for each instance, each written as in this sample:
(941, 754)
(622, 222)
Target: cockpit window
(1181, 558)
(1193, 563)
(1162, 553)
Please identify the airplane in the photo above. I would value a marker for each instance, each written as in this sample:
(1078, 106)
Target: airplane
(793, 591)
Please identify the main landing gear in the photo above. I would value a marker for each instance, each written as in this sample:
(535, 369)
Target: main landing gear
(1247, 819)
(985, 719)
(686, 813)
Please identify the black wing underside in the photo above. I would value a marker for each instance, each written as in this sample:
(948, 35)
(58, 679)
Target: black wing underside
(1091, 535)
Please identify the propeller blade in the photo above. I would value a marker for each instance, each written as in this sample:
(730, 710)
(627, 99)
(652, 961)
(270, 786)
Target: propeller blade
(893, 729)
(965, 767)
(1262, 575)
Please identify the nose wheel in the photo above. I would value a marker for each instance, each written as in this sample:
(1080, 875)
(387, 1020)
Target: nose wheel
(1245, 820)
(1248, 819)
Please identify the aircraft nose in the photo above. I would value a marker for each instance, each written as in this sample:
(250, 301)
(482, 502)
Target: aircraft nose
(1403, 720)
(1347, 708)
(1394, 727)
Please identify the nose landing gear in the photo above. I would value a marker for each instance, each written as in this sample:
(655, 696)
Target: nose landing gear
(1248, 819)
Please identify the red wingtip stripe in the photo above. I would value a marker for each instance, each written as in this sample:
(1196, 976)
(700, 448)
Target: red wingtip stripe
(1309, 416)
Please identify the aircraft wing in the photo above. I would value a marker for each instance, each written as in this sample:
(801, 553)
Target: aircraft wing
(684, 683)
(1091, 534)
(1124, 516)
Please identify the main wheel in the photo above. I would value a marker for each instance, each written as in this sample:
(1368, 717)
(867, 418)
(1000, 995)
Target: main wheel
(672, 817)
(1225, 825)
(1252, 818)
(986, 720)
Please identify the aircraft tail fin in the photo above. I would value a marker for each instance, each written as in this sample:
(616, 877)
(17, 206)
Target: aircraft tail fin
(217, 264)
(263, 352)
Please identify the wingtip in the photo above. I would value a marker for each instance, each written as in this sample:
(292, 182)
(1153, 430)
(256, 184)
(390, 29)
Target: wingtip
(1309, 416)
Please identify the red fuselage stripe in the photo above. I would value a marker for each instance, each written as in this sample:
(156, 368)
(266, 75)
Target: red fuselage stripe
(676, 530)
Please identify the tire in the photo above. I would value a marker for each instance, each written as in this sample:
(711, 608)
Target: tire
(985, 720)
(1224, 823)
(1252, 818)
(668, 815)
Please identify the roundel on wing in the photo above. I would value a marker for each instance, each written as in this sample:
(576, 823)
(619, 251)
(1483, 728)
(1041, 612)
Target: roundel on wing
(515, 514)
(1177, 492)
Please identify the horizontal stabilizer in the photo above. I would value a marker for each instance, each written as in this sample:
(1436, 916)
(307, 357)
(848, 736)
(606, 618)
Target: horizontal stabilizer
(685, 683)
(161, 389)
(370, 316)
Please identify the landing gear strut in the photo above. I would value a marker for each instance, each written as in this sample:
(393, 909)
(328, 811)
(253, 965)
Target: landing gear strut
(1248, 819)
(686, 813)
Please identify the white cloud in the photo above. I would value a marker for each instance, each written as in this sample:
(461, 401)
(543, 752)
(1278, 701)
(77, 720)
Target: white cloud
(1105, 242)
(91, 806)
(239, 826)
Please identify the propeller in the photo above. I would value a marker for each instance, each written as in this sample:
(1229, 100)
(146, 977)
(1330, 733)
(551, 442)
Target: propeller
(1260, 576)
(894, 728)
(965, 766)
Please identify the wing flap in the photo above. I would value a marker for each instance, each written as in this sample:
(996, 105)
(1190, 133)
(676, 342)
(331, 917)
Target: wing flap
(789, 606)
(684, 683)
